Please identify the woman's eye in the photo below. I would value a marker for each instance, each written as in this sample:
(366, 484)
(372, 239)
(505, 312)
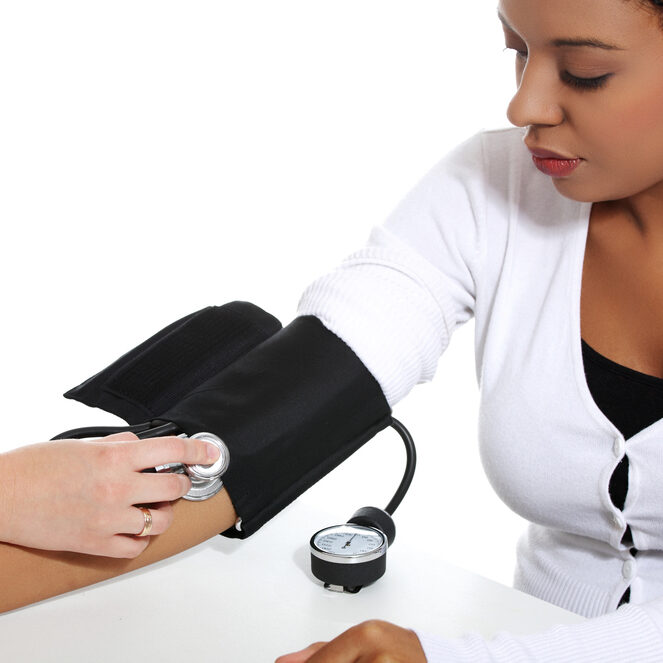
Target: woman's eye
(520, 53)
(584, 83)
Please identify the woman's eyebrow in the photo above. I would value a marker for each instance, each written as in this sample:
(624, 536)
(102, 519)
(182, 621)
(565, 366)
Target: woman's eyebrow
(594, 43)
(574, 41)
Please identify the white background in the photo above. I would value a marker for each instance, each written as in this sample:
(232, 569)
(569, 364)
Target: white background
(159, 157)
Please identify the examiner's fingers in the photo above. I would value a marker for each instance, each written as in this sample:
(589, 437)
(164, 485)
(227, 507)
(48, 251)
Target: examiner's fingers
(161, 515)
(148, 487)
(127, 547)
(119, 437)
(301, 656)
(164, 450)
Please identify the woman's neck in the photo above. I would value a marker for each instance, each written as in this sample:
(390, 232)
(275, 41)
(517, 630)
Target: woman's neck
(642, 213)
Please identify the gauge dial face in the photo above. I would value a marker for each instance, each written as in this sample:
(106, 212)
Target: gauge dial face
(348, 540)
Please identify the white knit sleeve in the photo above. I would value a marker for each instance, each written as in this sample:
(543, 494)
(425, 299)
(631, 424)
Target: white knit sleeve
(397, 301)
(632, 633)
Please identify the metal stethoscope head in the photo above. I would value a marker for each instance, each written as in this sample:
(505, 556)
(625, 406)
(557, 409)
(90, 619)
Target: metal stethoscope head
(205, 479)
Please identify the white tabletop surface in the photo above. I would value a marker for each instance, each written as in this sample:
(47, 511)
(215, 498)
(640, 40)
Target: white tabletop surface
(253, 600)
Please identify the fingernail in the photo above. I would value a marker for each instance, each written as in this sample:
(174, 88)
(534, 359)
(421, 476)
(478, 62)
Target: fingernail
(185, 484)
(212, 451)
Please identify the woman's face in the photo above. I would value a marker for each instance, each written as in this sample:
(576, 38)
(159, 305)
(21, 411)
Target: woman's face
(590, 89)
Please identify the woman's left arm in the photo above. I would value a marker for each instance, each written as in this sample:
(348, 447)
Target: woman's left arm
(371, 641)
(632, 633)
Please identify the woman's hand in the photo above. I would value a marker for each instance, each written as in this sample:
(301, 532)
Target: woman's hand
(80, 496)
(370, 642)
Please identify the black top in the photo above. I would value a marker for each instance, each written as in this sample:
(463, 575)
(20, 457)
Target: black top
(632, 401)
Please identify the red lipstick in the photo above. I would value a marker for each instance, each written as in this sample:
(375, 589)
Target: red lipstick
(553, 164)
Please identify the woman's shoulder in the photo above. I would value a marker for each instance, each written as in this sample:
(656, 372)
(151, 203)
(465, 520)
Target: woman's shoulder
(488, 151)
(485, 165)
(495, 168)
(473, 176)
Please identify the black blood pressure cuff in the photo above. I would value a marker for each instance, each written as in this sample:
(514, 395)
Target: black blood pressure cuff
(169, 365)
(290, 411)
(291, 404)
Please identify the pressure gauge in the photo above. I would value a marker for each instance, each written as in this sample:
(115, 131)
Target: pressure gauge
(348, 557)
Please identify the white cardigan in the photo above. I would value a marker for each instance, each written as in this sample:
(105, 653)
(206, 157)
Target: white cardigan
(486, 235)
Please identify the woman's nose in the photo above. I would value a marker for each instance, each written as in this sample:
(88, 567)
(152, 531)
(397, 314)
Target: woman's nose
(536, 101)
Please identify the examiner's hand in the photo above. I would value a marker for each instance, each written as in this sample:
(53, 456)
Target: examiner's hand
(80, 495)
(370, 642)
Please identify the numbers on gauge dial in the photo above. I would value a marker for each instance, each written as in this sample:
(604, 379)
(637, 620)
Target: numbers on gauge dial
(348, 540)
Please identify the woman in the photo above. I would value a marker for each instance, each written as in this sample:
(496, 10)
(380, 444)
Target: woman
(530, 253)
(546, 243)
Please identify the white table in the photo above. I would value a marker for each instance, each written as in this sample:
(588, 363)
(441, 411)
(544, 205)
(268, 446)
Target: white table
(250, 601)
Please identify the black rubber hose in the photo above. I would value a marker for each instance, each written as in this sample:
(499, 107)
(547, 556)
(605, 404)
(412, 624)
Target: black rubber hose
(410, 466)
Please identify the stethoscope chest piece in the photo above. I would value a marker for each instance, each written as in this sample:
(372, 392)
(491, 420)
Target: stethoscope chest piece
(206, 480)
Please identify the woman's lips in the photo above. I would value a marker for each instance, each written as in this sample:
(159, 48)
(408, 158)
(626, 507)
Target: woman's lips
(553, 164)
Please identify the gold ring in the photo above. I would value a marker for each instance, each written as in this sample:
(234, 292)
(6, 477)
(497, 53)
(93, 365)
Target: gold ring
(147, 527)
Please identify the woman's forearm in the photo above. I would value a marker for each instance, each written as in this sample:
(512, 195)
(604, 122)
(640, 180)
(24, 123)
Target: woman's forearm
(28, 575)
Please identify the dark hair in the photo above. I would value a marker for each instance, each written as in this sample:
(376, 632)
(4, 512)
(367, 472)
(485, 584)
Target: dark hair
(656, 6)
(653, 6)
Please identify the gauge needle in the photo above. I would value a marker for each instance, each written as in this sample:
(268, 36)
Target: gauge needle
(349, 541)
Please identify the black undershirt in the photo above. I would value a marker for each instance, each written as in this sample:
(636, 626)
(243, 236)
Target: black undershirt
(632, 401)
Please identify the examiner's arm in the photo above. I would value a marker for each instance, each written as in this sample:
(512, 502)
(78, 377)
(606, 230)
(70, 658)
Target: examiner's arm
(28, 575)
(81, 496)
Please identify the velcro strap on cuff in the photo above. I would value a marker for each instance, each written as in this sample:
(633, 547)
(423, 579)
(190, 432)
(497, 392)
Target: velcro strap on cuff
(159, 372)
